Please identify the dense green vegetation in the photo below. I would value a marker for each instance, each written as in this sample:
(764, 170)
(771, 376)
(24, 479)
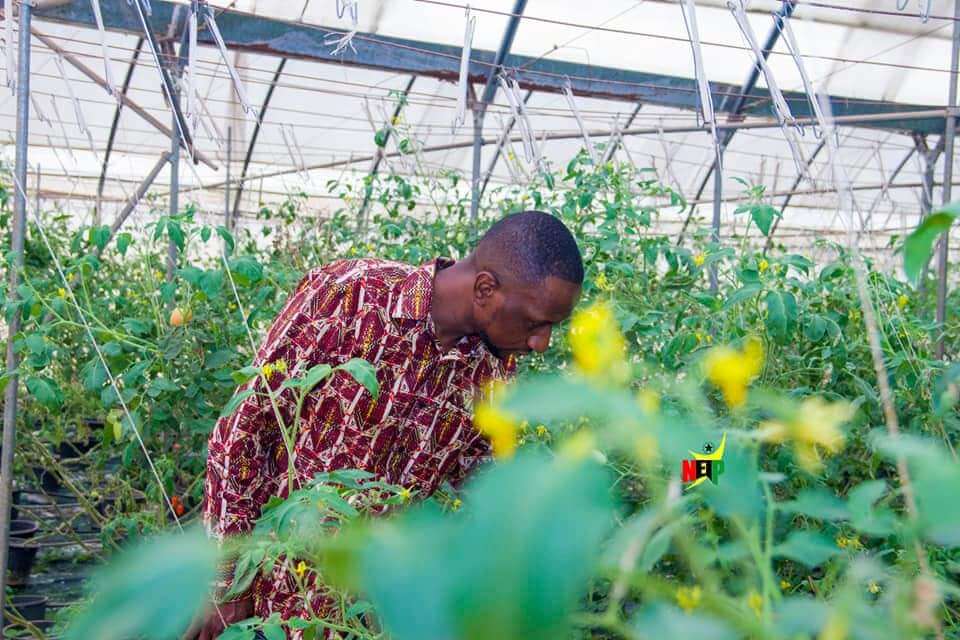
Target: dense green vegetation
(585, 529)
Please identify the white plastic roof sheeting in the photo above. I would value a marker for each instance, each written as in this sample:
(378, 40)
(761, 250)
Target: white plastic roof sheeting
(848, 52)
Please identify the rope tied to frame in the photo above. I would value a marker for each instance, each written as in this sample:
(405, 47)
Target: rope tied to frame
(572, 103)
(511, 90)
(345, 41)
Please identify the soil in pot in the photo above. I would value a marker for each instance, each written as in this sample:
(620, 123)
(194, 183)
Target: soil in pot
(28, 607)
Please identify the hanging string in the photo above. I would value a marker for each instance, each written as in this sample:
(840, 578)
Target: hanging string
(294, 150)
(689, 11)
(104, 49)
(788, 124)
(461, 113)
(9, 45)
(77, 109)
(234, 76)
(511, 90)
(145, 2)
(786, 30)
(572, 103)
(925, 6)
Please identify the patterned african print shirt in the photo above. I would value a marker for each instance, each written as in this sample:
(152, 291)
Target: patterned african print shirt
(418, 433)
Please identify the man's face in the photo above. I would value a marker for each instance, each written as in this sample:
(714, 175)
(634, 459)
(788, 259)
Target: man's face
(515, 318)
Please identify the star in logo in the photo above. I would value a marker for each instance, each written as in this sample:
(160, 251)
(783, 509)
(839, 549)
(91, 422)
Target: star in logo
(716, 458)
(708, 448)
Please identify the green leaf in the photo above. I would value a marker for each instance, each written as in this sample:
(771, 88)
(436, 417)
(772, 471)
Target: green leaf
(235, 402)
(124, 240)
(747, 292)
(227, 239)
(815, 328)
(100, 236)
(817, 503)
(175, 233)
(662, 621)
(806, 547)
(525, 585)
(205, 233)
(380, 137)
(241, 376)
(46, 391)
(273, 632)
(781, 315)
(918, 246)
(125, 601)
(364, 373)
(763, 216)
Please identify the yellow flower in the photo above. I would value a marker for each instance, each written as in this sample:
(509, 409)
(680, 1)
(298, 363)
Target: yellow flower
(784, 585)
(280, 366)
(699, 259)
(852, 542)
(404, 494)
(301, 568)
(755, 602)
(841, 541)
(498, 425)
(599, 349)
(61, 293)
(649, 401)
(732, 370)
(689, 597)
(267, 370)
(763, 265)
(542, 431)
(395, 121)
(903, 301)
(854, 315)
(457, 503)
(602, 283)
(874, 588)
(814, 425)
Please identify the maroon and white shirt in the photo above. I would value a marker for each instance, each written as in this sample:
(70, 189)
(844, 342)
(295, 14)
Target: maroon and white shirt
(418, 433)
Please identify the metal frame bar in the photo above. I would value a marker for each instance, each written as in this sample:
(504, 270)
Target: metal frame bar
(17, 233)
(266, 36)
(127, 102)
(116, 122)
(608, 153)
(948, 149)
(256, 134)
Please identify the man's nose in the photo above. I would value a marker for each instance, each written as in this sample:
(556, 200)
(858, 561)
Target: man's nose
(540, 340)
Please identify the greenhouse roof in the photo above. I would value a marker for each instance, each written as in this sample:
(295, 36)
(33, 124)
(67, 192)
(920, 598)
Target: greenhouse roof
(627, 62)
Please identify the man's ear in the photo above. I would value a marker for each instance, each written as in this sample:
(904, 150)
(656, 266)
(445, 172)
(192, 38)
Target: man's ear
(485, 285)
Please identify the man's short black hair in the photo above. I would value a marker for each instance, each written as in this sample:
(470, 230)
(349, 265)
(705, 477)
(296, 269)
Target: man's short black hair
(532, 245)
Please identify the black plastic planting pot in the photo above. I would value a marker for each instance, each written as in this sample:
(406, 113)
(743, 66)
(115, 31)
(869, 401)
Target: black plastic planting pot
(28, 607)
(23, 529)
(20, 558)
(74, 447)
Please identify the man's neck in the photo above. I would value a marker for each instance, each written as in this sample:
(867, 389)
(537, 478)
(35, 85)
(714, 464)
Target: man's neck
(450, 304)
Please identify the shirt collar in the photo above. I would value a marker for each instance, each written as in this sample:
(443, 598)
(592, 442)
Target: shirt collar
(415, 292)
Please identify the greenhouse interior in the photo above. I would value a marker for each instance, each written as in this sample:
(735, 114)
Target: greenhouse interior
(408, 319)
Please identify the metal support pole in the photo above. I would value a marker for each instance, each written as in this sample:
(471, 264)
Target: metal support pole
(950, 135)
(715, 233)
(477, 152)
(226, 187)
(16, 246)
(172, 252)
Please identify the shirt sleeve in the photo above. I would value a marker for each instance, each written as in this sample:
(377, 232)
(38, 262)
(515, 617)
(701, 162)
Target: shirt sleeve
(246, 447)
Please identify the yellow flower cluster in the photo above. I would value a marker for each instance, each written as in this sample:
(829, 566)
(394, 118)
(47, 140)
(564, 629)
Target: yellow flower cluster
(699, 259)
(599, 349)
(495, 422)
(903, 301)
(732, 370)
(874, 588)
(688, 598)
(278, 366)
(763, 265)
(815, 425)
(852, 542)
(603, 283)
(301, 568)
